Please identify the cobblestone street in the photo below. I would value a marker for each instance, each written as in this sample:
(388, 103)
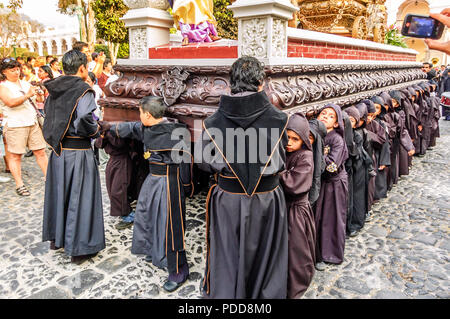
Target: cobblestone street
(403, 252)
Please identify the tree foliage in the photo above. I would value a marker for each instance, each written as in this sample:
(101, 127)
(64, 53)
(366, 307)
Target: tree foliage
(14, 27)
(84, 7)
(226, 24)
(108, 24)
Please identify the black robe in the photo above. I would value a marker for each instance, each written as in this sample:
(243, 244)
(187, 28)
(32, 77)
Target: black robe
(73, 211)
(381, 155)
(247, 229)
(162, 198)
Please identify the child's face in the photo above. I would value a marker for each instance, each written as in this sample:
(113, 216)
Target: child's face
(378, 108)
(311, 139)
(328, 117)
(146, 118)
(353, 121)
(395, 103)
(295, 142)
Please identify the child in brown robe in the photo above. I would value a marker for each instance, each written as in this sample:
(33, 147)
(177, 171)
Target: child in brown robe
(296, 182)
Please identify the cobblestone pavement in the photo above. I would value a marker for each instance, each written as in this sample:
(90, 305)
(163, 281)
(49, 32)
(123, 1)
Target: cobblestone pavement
(402, 252)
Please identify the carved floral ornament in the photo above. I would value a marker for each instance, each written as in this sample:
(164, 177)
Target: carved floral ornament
(302, 87)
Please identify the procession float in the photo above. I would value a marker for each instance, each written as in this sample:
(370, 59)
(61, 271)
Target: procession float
(306, 69)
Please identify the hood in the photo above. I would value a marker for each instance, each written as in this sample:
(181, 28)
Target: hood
(387, 100)
(362, 108)
(299, 124)
(353, 112)
(317, 128)
(244, 109)
(370, 105)
(340, 117)
(396, 95)
(60, 85)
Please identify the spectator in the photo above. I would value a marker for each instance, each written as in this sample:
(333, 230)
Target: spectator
(83, 47)
(428, 69)
(93, 63)
(49, 59)
(28, 73)
(107, 69)
(54, 65)
(20, 60)
(45, 74)
(32, 60)
(21, 128)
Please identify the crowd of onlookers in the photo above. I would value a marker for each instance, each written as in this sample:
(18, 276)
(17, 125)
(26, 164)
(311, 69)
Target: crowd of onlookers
(22, 99)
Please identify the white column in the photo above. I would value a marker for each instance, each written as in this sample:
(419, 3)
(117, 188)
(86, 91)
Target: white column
(40, 48)
(262, 27)
(149, 26)
(59, 47)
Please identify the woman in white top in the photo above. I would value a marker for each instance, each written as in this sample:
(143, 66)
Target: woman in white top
(21, 128)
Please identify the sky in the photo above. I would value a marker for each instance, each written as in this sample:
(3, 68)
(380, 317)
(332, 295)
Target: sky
(45, 11)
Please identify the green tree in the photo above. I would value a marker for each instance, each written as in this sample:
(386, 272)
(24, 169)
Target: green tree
(109, 26)
(226, 24)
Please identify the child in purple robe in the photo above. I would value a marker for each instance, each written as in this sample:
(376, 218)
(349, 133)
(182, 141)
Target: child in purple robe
(331, 207)
(297, 181)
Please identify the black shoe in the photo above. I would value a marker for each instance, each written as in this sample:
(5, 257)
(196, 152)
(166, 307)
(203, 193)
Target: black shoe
(78, 260)
(29, 154)
(148, 259)
(171, 286)
(123, 225)
(353, 233)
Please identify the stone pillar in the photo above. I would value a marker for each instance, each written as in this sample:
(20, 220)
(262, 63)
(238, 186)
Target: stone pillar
(149, 26)
(263, 27)
(40, 48)
(59, 47)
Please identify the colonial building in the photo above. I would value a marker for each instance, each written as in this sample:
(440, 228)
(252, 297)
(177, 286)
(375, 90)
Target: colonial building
(51, 42)
(424, 7)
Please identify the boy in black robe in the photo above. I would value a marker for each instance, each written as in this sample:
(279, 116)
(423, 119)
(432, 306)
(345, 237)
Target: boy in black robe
(73, 211)
(161, 209)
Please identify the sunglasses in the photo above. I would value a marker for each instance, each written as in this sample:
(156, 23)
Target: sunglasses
(7, 60)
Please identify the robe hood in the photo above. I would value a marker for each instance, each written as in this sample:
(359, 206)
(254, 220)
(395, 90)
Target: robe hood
(353, 112)
(363, 112)
(58, 86)
(252, 111)
(387, 100)
(340, 118)
(299, 124)
(370, 105)
(317, 128)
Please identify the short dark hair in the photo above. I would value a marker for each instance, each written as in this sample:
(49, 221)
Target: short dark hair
(428, 63)
(72, 61)
(30, 58)
(247, 74)
(79, 45)
(47, 70)
(49, 56)
(8, 63)
(94, 55)
(93, 77)
(107, 61)
(53, 61)
(154, 105)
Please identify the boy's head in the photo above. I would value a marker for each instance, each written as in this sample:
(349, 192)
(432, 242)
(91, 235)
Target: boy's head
(317, 129)
(298, 133)
(75, 63)
(396, 98)
(353, 115)
(329, 117)
(363, 113)
(152, 110)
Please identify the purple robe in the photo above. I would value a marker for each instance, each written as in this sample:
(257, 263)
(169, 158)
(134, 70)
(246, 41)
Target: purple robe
(331, 207)
(297, 181)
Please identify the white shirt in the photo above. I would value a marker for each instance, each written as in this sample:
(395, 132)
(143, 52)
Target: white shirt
(112, 78)
(22, 115)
